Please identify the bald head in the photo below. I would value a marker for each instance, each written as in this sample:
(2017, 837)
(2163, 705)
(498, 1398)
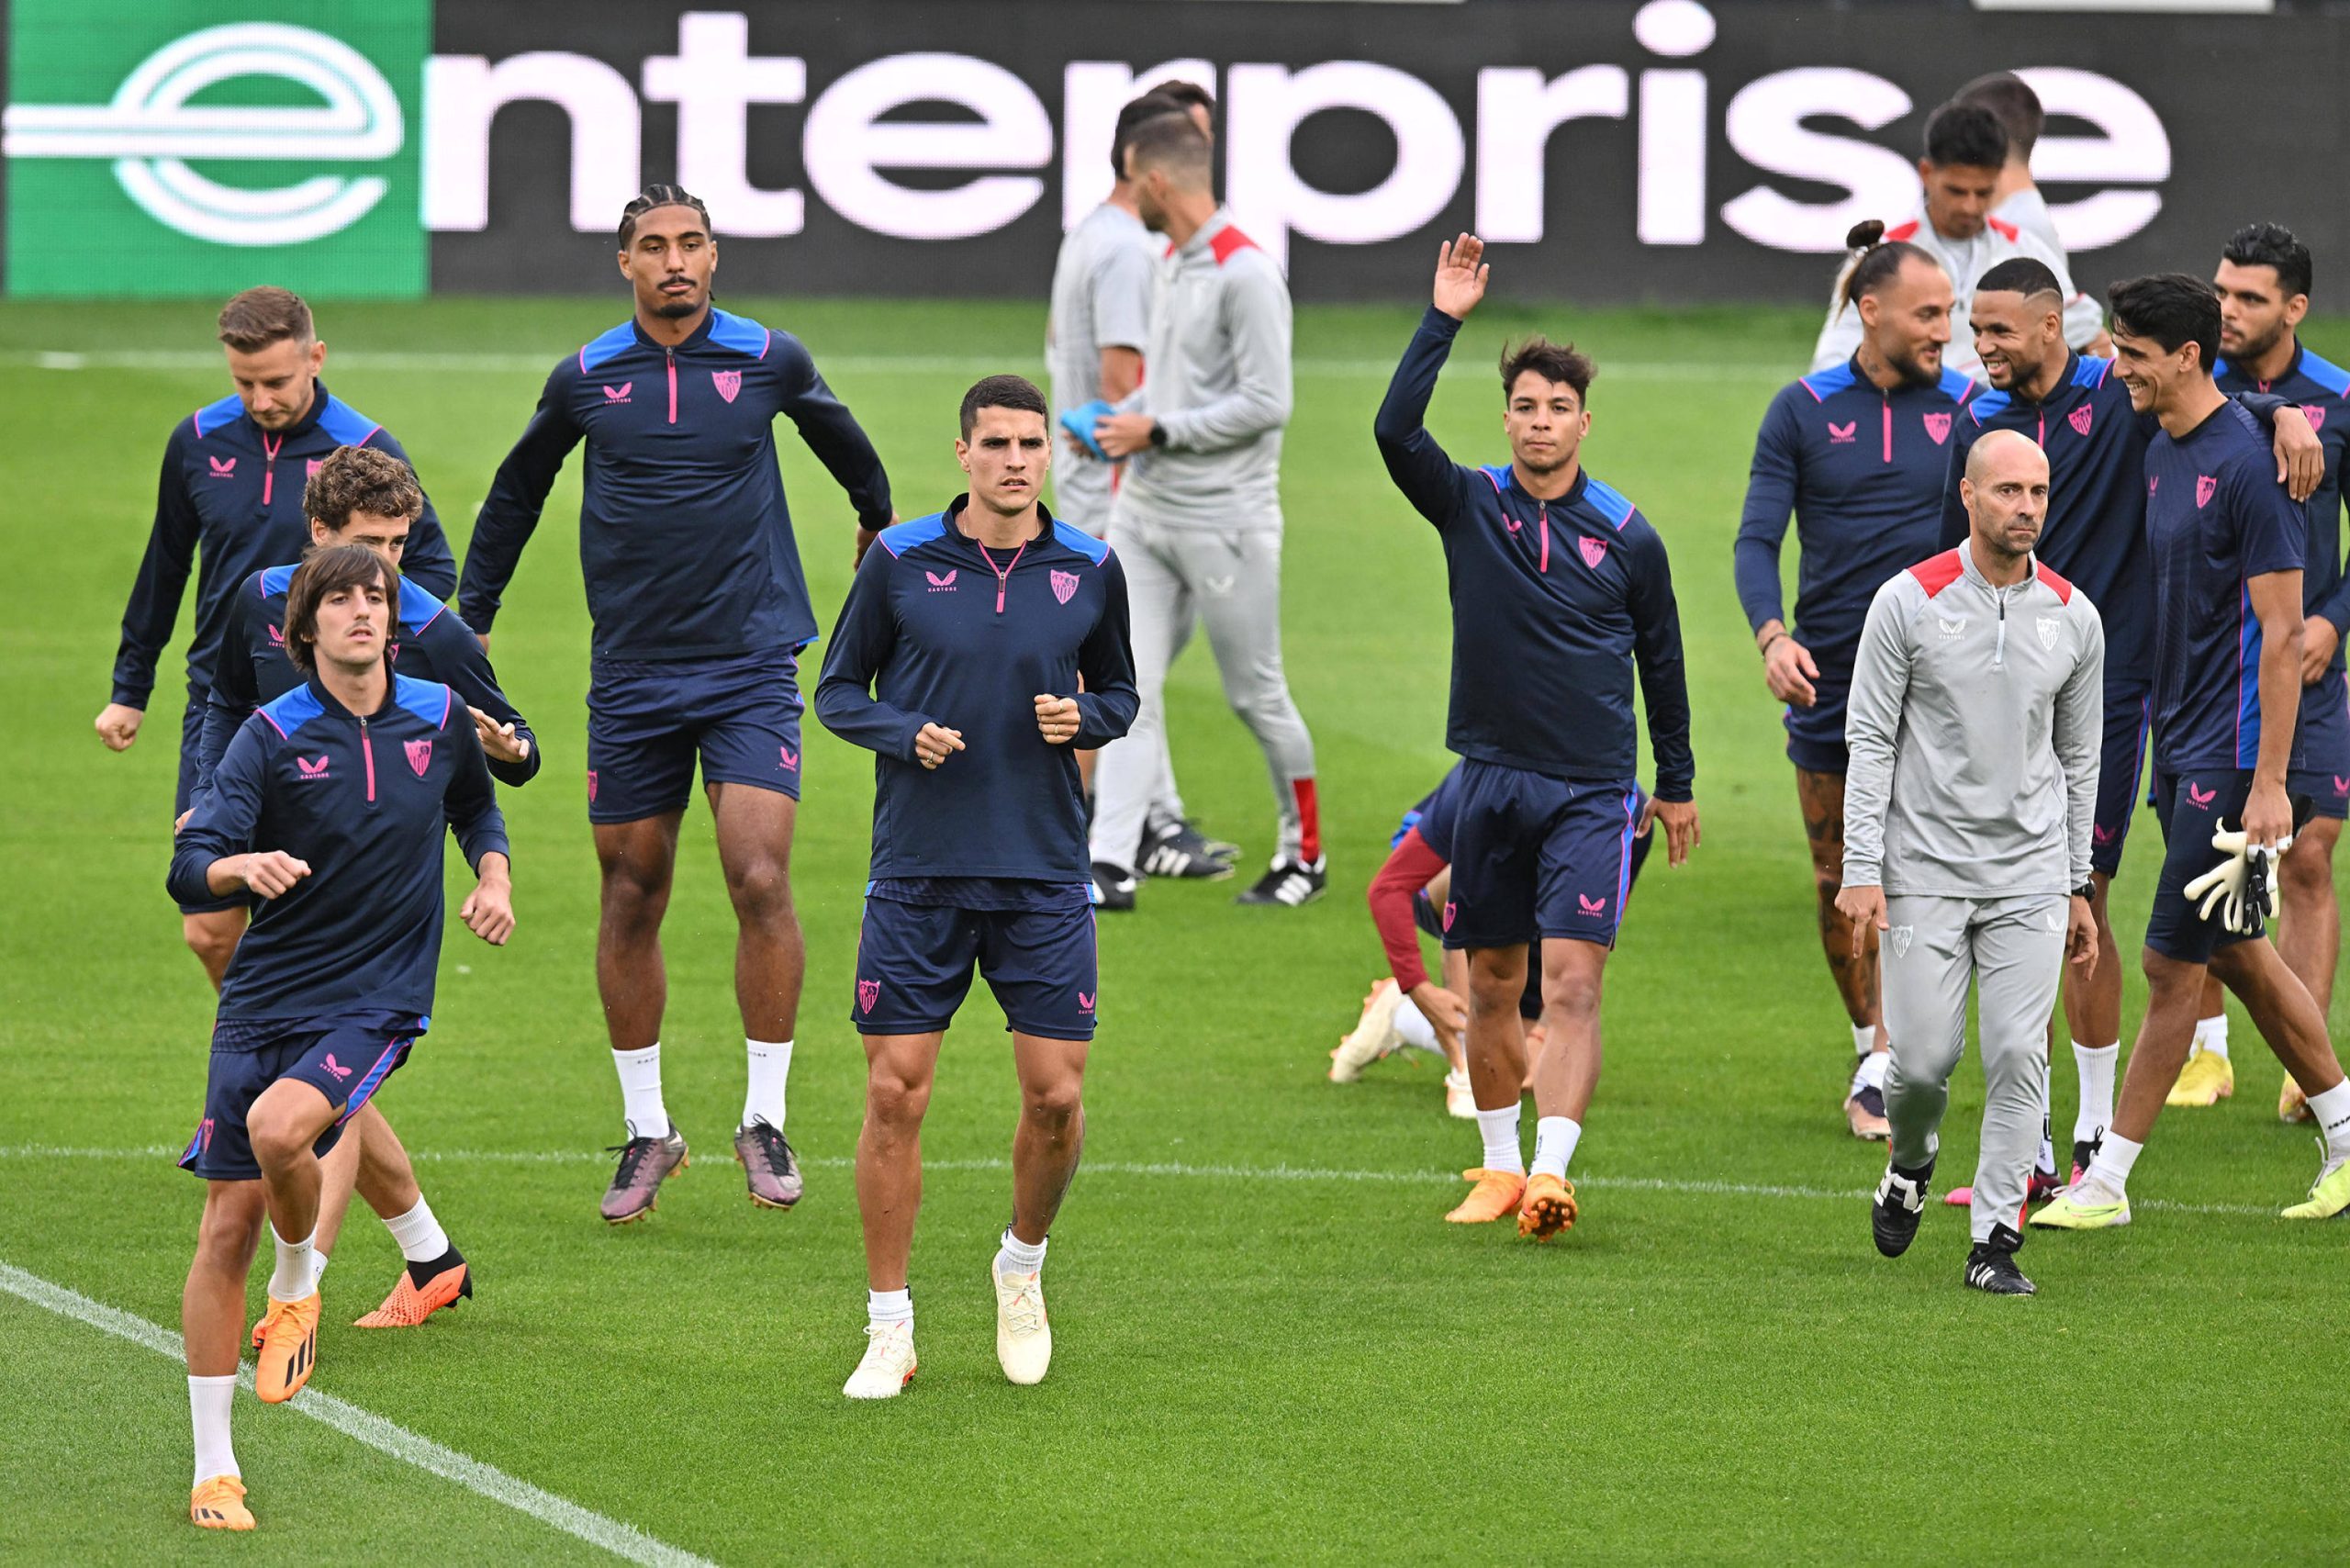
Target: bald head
(2006, 451)
(2005, 492)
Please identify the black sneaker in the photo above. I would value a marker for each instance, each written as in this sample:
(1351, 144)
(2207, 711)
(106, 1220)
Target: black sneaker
(1114, 886)
(1182, 851)
(1291, 882)
(1899, 1204)
(1991, 1266)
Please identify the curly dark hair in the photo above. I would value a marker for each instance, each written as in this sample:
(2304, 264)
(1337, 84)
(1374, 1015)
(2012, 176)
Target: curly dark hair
(359, 478)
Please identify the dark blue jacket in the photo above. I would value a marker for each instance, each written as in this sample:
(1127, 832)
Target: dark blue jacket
(684, 538)
(1861, 469)
(434, 645)
(364, 801)
(1553, 604)
(936, 631)
(231, 501)
(2323, 391)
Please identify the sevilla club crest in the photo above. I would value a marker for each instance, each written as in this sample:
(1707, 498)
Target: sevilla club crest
(1938, 426)
(728, 383)
(1064, 585)
(420, 757)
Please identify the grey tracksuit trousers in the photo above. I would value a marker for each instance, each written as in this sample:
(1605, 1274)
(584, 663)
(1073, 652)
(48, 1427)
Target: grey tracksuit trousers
(2012, 950)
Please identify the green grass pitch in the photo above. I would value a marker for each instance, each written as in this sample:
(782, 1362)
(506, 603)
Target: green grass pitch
(1269, 1349)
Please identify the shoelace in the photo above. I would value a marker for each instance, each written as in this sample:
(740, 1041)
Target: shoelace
(772, 1147)
(633, 1154)
(1023, 1314)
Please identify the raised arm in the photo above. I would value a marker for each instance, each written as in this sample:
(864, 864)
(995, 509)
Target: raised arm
(517, 496)
(1430, 479)
(2079, 731)
(1106, 708)
(863, 639)
(832, 433)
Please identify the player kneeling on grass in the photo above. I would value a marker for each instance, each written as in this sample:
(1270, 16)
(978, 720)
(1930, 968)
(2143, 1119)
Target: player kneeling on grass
(329, 806)
(1975, 725)
(958, 659)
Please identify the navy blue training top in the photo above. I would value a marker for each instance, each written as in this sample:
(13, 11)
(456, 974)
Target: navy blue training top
(2323, 391)
(364, 802)
(685, 540)
(229, 501)
(1861, 470)
(1554, 604)
(2215, 516)
(937, 629)
(433, 644)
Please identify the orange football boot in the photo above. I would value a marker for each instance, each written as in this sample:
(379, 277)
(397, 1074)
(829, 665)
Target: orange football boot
(219, 1504)
(1496, 1195)
(1550, 1206)
(287, 1337)
(410, 1303)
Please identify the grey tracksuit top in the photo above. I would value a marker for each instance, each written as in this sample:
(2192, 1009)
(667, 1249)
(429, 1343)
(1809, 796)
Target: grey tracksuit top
(1216, 378)
(1974, 727)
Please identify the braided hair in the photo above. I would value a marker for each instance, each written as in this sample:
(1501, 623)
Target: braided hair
(659, 195)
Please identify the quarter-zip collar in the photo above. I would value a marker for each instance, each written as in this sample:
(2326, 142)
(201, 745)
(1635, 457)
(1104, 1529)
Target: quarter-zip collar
(1998, 596)
(694, 339)
(336, 709)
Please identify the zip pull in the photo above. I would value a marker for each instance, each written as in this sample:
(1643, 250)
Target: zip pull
(1543, 565)
(269, 465)
(1002, 577)
(367, 751)
(671, 356)
(1888, 427)
(1999, 650)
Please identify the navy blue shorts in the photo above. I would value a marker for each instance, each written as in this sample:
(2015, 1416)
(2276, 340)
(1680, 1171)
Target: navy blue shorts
(2129, 711)
(345, 1058)
(649, 722)
(184, 793)
(1816, 734)
(2325, 746)
(914, 963)
(2191, 807)
(1538, 857)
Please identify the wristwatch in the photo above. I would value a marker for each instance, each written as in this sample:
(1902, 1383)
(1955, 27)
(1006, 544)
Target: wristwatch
(2086, 891)
(1157, 433)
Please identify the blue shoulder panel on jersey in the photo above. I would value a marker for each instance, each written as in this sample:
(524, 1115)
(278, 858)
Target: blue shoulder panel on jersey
(738, 332)
(2088, 371)
(2327, 374)
(1071, 538)
(274, 581)
(288, 713)
(1608, 499)
(346, 424)
(418, 607)
(1499, 473)
(902, 537)
(428, 700)
(212, 416)
(1989, 407)
(1825, 383)
(1958, 388)
(602, 350)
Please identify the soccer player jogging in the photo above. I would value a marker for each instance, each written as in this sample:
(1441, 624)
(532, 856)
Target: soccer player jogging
(701, 607)
(958, 660)
(2094, 535)
(2264, 282)
(1198, 520)
(1558, 579)
(228, 503)
(1960, 175)
(1974, 731)
(329, 806)
(2228, 547)
(1856, 452)
(362, 497)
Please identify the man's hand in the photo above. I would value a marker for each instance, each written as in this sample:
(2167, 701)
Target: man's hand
(498, 741)
(483, 638)
(1788, 668)
(934, 744)
(2268, 814)
(1123, 435)
(1461, 273)
(1056, 718)
(269, 872)
(1681, 832)
(2319, 639)
(2300, 456)
(1446, 1013)
(488, 910)
(2080, 937)
(1864, 907)
(118, 725)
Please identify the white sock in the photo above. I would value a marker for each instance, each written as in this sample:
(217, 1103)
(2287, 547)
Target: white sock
(1554, 1143)
(641, 1104)
(296, 1274)
(1864, 1038)
(419, 1236)
(2211, 1034)
(1870, 1073)
(1417, 1032)
(1016, 1257)
(208, 1408)
(2332, 1111)
(770, 1069)
(2095, 1065)
(2115, 1156)
(1499, 1129)
(888, 1306)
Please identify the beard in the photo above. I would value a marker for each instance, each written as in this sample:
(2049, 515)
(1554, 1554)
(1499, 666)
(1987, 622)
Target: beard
(676, 308)
(1912, 370)
(2258, 348)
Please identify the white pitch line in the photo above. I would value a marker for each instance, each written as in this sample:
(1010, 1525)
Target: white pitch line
(392, 361)
(1682, 1186)
(364, 1426)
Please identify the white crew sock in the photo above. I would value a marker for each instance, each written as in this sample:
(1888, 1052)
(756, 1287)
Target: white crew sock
(1417, 1032)
(2095, 1065)
(770, 1069)
(1016, 1257)
(419, 1236)
(1870, 1073)
(1499, 1129)
(1864, 1038)
(2332, 1111)
(641, 1104)
(1554, 1143)
(208, 1408)
(296, 1274)
(888, 1306)
(2110, 1168)
(2211, 1034)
